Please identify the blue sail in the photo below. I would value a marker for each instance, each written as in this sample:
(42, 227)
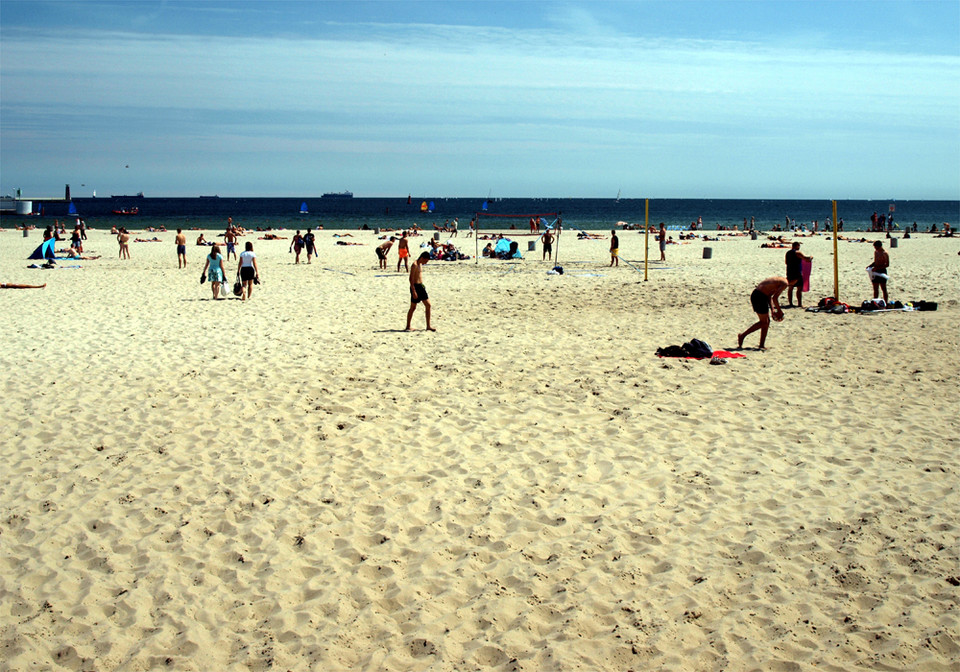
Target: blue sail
(72, 210)
(303, 208)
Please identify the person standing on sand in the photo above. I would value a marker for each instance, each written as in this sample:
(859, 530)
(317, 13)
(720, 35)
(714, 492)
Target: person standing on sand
(794, 260)
(181, 241)
(382, 251)
(403, 251)
(248, 270)
(764, 299)
(878, 270)
(614, 248)
(123, 238)
(418, 293)
(663, 242)
(547, 239)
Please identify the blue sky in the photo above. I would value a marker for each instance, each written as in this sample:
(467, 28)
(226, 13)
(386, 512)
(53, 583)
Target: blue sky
(580, 99)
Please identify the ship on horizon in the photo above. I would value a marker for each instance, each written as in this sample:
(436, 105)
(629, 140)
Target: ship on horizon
(338, 194)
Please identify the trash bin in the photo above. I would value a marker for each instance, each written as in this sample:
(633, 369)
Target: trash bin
(531, 246)
(436, 235)
(707, 252)
(893, 242)
(25, 232)
(753, 235)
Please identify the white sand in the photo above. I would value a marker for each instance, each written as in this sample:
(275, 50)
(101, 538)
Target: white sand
(296, 483)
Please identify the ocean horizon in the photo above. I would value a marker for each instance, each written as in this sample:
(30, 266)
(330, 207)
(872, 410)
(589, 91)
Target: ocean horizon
(212, 212)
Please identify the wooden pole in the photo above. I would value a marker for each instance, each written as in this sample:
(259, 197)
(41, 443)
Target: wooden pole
(646, 239)
(836, 260)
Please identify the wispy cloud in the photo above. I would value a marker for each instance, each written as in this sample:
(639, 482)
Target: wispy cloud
(451, 90)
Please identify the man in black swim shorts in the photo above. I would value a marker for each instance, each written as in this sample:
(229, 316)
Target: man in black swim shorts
(764, 297)
(418, 293)
(794, 260)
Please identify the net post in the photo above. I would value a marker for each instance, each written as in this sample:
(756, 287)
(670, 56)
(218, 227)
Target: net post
(646, 238)
(836, 260)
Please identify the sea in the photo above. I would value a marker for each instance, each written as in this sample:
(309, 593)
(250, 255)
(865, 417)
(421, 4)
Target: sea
(590, 214)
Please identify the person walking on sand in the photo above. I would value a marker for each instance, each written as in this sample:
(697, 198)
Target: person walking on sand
(614, 248)
(403, 251)
(663, 242)
(382, 252)
(878, 270)
(230, 238)
(418, 293)
(310, 242)
(764, 299)
(547, 239)
(297, 246)
(214, 270)
(248, 270)
(181, 241)
(794, 260)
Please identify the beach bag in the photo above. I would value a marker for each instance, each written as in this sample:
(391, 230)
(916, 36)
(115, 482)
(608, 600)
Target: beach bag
(203, 278)
(237, 287)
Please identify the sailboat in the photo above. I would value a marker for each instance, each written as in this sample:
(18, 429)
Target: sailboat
(303, 208)
(618, 195)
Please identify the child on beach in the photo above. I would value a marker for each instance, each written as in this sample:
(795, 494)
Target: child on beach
(614, 248)
(418, 293)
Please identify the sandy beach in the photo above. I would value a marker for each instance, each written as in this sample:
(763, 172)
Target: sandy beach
(294, 483)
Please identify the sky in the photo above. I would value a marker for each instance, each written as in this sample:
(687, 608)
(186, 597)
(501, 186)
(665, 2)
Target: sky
(680, 99)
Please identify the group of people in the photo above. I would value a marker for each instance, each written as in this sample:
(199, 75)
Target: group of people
(248, 272)
(765, 298)
(305, 242)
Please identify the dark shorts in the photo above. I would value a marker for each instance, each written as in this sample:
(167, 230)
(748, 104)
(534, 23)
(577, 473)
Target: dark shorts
(760, 302)
(548, 247)
(421, 294)
(878, 280)
(795, 278)
(247, 273)
(181, 249)
(380, 255)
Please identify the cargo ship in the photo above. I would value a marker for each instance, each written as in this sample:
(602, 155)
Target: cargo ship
(338, 194)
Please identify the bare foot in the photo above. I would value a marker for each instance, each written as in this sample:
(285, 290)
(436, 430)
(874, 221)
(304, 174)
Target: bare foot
(431, 329)
(408, 329)
(740, 341)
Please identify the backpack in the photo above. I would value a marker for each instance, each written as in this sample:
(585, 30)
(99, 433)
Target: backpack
(697, 348)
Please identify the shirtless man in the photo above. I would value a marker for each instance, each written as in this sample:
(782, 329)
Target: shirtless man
(547, 239)
(614, 248)
(382, 252)
(794, 259)
(764, 299)
(230, 238)
(418, 293)
(181, 241)
(403, 252)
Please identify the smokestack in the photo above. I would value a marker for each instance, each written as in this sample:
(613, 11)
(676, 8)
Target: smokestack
(66, 195)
